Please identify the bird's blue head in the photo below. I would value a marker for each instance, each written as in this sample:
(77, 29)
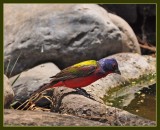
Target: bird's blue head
(109, 65)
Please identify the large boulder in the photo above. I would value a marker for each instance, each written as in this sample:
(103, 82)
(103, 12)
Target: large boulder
(8, 92)
(62, 33)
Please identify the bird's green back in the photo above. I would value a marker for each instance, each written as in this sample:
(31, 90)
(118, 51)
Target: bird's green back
(81, 69)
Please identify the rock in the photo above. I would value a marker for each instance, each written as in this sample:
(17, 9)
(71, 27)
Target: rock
(32, 79)
(32, 118)
(129, 38)
(63, 34)
(8, 93)
(69, 101)
(74, 104)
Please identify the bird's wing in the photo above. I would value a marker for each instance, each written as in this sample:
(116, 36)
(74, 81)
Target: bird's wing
(81, 69)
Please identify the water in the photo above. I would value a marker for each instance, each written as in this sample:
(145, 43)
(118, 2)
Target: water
(137, 96)
(144, 103)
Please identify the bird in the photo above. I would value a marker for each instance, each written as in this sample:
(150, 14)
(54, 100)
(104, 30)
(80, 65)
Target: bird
(82, 74)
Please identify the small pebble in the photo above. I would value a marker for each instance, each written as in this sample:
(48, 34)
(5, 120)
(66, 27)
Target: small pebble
(138, 92)
(143, 95)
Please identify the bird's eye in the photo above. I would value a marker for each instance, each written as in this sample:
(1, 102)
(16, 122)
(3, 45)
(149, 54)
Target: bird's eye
(114, 66)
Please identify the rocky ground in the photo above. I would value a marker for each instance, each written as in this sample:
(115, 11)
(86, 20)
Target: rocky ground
(31, 118)
(40, 44)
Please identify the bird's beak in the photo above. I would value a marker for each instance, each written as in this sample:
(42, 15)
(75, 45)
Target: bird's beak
(117, 71)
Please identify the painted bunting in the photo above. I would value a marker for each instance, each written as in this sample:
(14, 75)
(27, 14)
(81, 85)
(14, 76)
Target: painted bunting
(83, 74)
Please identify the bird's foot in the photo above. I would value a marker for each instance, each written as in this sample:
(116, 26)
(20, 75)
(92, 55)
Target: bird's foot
(83, 92)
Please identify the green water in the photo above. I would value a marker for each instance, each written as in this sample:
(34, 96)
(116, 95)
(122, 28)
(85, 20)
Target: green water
(144, 103)
(137, 96)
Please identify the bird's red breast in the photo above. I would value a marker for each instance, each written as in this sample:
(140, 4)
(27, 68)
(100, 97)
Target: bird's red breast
(80, 82)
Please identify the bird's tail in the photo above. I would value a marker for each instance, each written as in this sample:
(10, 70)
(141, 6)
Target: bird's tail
(35, 95)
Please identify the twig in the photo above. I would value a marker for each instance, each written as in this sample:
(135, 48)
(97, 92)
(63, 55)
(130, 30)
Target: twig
(15, 79)
(33, 99)
(153, 49)
(146, 45)
(8, 66)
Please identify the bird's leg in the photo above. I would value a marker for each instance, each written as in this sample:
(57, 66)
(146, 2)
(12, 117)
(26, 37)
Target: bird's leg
(56, 102)
(54, 107)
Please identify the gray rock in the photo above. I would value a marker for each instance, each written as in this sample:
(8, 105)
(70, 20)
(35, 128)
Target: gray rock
(32, 79)
(8, 92)
(33, 118)
(129, 39)
(64, 34)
